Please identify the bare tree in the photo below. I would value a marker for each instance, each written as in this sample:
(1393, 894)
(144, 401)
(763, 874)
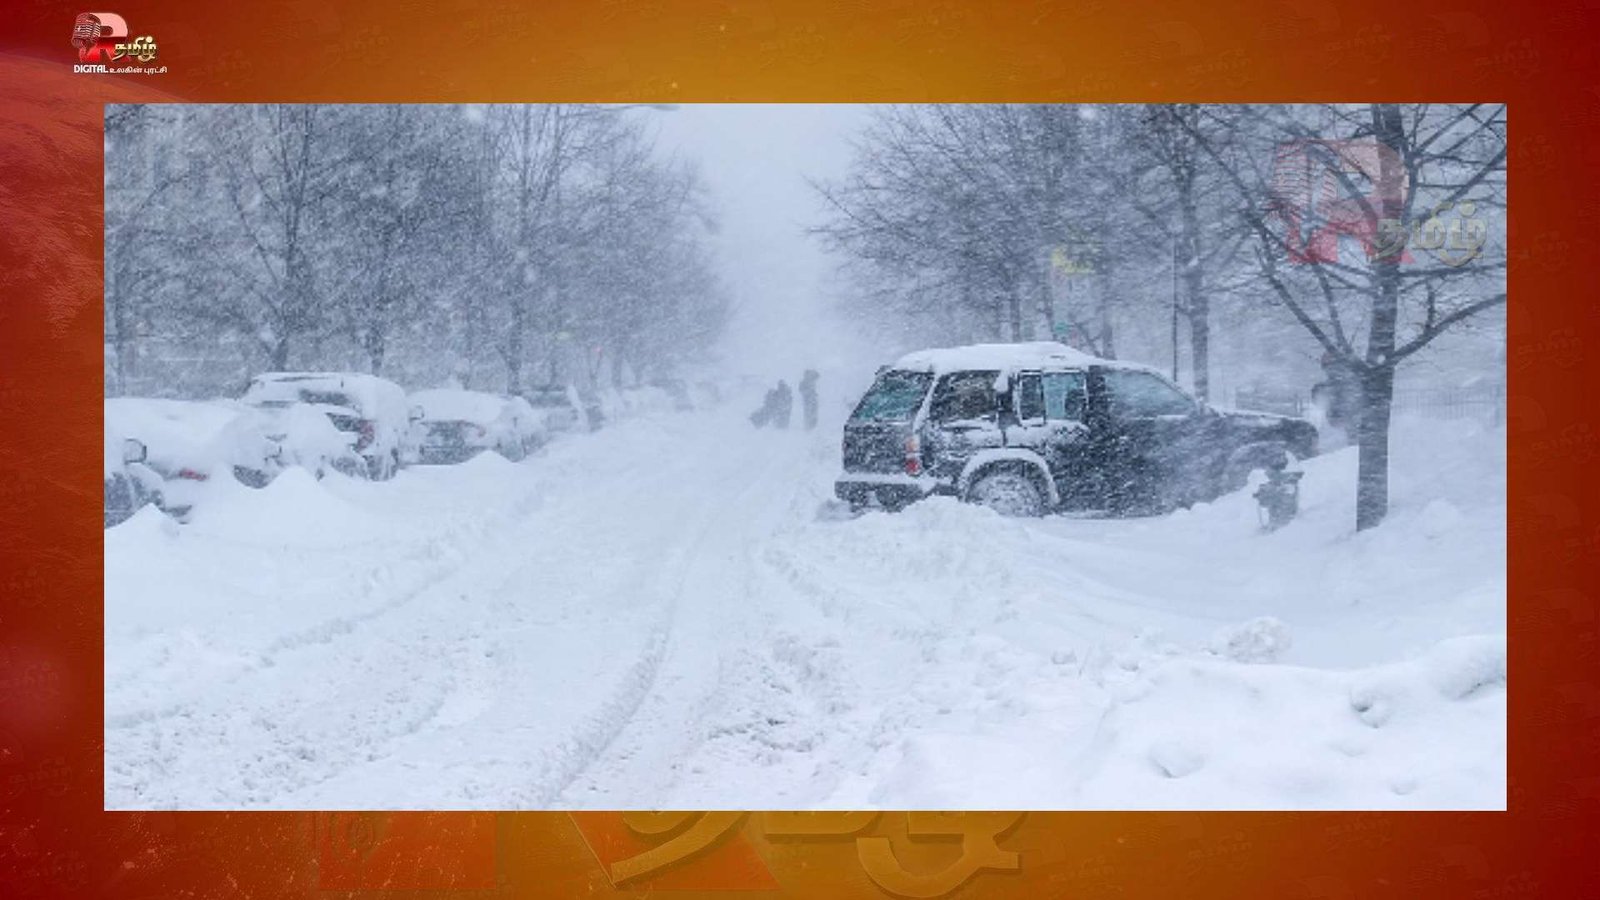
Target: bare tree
(398, 214)
(1416, 188)
(260, 253)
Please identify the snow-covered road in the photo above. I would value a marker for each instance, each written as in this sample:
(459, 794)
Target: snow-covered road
(654, 616)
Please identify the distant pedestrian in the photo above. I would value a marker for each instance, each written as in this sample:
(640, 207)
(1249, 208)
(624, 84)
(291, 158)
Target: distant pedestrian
(808, 397)
(763, 413)
(783, 404)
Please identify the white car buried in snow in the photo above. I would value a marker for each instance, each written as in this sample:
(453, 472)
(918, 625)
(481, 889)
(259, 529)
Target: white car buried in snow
(559, 408)
(456, 425)
(370, 408)
(314, 436)
(187, 443)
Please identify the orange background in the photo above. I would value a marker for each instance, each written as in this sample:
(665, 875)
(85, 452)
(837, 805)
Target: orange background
(56, 841)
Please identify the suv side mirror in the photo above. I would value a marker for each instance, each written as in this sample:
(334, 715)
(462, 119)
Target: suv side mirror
(133, 451)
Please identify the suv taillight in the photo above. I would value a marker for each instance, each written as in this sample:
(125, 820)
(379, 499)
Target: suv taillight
(913, 456)
(367, 434)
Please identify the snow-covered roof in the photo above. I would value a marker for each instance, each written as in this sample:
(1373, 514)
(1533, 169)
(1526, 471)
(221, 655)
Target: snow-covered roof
(996, 356)
(353, 381)
(448, 404)
(371, 395)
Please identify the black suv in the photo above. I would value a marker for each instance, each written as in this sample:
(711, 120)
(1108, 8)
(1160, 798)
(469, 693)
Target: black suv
(1030, 428)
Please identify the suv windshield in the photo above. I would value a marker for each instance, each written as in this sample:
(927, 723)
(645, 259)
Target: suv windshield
(894, 397)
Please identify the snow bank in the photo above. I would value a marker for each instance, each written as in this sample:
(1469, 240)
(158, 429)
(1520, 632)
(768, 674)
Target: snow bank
(1193, 660)
(1198, 733)
(653, 616)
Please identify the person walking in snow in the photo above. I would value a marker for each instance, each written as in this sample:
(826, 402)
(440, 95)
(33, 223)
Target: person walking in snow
(808, 397)
(763, 413)
(783, 404)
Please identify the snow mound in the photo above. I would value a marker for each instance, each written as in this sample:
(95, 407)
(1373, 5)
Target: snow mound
(1206, 733)
(1439, 518)
(147, 527)
(1260, 640)
(296, 508)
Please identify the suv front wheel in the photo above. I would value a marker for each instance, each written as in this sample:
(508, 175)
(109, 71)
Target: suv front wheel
(1007, 492)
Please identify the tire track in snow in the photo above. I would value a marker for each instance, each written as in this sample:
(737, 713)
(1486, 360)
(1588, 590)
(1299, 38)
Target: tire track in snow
(448, 543)
(644, 753)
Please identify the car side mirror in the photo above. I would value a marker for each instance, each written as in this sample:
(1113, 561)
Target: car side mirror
(133, 451)
(416, 414)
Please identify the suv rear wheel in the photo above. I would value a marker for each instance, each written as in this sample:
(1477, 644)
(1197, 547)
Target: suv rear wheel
(1007, 492)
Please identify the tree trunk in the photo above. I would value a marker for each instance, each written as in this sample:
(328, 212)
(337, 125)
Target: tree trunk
(514, 346)
(514, 363)
(280, 355)
(1013, 309)
(1200, 338)
(1104, 300)
(1372, 441)
(119, 335)
(1047, 300)
(1377, 379)
(1196, 305)
(376, 348)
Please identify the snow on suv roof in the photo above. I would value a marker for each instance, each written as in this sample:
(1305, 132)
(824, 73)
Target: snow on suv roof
(997, 356)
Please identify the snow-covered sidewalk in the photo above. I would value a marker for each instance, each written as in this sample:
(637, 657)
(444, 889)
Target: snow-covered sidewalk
(653, 616)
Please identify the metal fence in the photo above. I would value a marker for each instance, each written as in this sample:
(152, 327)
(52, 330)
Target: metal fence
(1486, 402)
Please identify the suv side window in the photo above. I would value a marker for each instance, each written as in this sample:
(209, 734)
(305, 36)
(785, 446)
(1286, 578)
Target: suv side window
(964, 395)
(1064, 396)
(1030, 398)
(1140, 395)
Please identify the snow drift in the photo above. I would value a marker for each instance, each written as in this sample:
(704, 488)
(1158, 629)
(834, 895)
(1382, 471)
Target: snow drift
(653, 616)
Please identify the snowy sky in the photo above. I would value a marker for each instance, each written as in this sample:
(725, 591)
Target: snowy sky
(755, 159)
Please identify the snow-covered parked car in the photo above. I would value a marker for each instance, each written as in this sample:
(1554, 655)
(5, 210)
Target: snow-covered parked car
(371, 409)
(1031, 427)
(456, 425)
(186, 443)
(300, 434)
(130, 484)
(558, 407)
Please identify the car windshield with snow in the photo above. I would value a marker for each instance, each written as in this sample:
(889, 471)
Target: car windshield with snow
(1027, 428)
